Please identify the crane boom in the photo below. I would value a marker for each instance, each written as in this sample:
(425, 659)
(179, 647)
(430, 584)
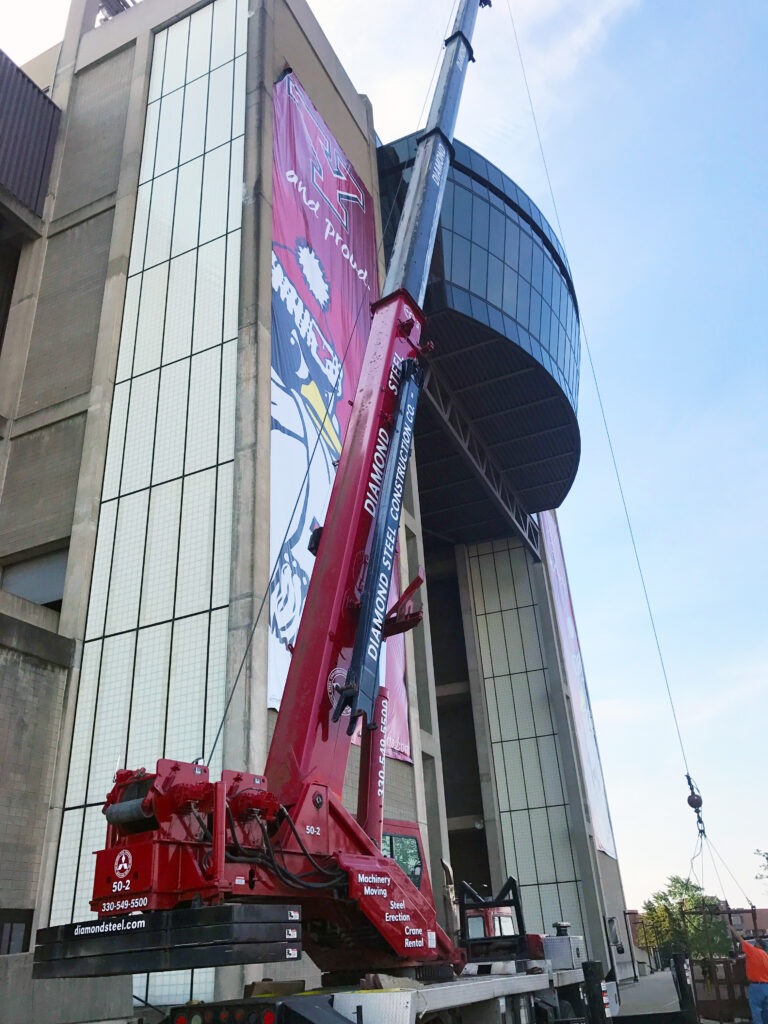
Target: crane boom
(321, 665)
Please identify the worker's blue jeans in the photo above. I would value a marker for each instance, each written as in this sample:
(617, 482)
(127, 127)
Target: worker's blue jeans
(758, 1001)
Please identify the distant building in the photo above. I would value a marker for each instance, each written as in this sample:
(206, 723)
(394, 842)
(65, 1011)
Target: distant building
(135, 405)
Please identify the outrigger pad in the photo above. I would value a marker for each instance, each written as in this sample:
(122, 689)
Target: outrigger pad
(170, 940)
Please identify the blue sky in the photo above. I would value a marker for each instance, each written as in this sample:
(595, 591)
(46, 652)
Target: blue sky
(653, 117)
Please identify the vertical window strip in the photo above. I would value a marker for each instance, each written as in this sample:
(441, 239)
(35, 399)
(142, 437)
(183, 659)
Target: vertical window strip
(186, 420)
(481, 581)
(161, 68)
(157, 399)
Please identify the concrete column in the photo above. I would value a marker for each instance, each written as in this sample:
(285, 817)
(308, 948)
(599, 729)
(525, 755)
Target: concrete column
(83, 537)
(245, 727)
(21, 315)
(578, 825)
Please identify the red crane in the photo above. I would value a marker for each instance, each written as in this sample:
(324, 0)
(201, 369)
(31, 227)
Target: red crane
(175, 838)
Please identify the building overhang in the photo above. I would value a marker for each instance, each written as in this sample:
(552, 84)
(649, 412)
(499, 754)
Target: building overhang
(29, 122)
(520, 418)
(497, 438)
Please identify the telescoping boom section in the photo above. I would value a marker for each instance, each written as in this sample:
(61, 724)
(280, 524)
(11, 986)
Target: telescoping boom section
(180, 843)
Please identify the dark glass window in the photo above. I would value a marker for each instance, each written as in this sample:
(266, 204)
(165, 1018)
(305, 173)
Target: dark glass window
(503, 924)
(512, 246)
(446, 211)
(557, 284)
(478, 164)
(526, 255)
(447, 250)
(495, 281)
(510, 291)
(480, 212)
(403, 149)
(496, 234)
(15, 931)
(404, 850)
(510, 189)
(479, 309)
(535, 318)
(546, 318)
(461, 178)
(462, 153)
(537, 271)
(460, 261)
(511, 330)
(479, 275)
(546, 289)
(39, 579)
(461, 301)
(563, 303)
(523, 301)
(496, 319)
(497, 201)
(462, 212)
(495, 177)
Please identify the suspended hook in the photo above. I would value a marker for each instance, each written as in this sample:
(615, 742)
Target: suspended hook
(695, 801)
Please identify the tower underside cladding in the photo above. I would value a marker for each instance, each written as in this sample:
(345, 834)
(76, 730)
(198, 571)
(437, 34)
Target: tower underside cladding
(497, 441)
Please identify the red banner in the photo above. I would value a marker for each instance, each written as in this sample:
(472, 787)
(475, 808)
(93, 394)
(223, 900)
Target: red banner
(324, 278)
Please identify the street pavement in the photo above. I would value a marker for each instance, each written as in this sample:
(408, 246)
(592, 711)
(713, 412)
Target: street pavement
(654, 993)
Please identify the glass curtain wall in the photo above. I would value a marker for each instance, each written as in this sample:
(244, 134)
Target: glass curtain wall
(496, 258)
(152, 681)
(531, 790)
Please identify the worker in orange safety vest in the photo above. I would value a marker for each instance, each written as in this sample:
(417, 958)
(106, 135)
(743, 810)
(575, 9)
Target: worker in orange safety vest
(757, 976)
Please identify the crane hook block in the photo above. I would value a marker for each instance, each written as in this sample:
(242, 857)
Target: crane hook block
(695, 801)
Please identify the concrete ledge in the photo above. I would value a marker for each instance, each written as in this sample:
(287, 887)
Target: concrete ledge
(23, 220)
(60, 1001)
(83, 213)
(27, 611)
(50, 414)
(124, 29)
(27, 638)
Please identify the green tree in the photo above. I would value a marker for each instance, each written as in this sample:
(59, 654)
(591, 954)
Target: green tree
(672, 931)
(763, 869)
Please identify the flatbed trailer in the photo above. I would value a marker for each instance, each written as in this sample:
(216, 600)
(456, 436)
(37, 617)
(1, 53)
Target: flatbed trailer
(487, 999)
(505, 997)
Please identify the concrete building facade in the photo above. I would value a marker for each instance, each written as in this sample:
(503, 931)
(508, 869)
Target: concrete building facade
(135, 480)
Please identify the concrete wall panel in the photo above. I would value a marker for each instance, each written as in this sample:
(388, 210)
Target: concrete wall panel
(301, 44)
(96, 125)
(31, 514)
(60, 1000)
(31, 692)
(60, 360)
